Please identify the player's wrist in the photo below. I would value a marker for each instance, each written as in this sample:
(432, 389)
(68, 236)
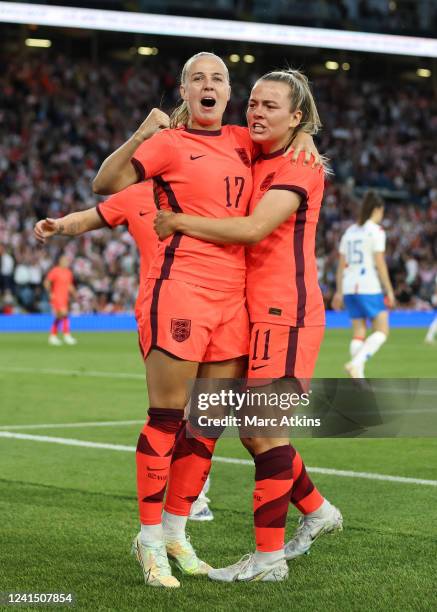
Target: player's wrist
(137, 139)
(178, 222)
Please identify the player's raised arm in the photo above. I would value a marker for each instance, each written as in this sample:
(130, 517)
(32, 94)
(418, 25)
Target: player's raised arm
(274, 208)
(117, 171)
(71, 225)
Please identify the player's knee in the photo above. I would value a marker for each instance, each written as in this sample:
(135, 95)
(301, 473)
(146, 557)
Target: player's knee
(256, 446)
(167, 399)
(381, 336)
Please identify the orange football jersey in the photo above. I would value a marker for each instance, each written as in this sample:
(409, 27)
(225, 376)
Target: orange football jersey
(61, 279)
(282, 283)
(206, 173)
(134, 207)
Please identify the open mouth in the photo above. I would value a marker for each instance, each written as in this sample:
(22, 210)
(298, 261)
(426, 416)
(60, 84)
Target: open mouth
(257, 127)
(207, 102)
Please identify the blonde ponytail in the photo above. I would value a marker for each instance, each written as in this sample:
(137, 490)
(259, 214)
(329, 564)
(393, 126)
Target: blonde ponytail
(180, 116)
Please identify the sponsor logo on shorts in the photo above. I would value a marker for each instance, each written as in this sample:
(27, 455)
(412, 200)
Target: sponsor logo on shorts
(192, 157)
(180, 329)
(267, 181)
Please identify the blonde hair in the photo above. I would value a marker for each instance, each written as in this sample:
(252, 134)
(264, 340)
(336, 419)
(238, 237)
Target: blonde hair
(301, 98)
(181, 114)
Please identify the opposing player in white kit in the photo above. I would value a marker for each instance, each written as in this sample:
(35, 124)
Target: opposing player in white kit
(361, 275)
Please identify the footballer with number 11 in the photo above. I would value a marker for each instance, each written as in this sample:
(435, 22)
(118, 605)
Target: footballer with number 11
(287, 315)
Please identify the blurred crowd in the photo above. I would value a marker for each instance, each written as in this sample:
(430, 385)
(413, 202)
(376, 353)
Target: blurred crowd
(59, 120)
(390, 16)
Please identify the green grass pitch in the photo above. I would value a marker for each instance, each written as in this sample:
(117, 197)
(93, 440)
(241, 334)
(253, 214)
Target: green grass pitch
(68, 513)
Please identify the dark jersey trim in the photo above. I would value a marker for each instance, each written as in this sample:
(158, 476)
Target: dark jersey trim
(274, 154)
(101, 215)
(171, 198)
(204, 132)
(295, 188)
(169, 255)
(298, 242)
(154, 311)
(290, 361)
(139, 169)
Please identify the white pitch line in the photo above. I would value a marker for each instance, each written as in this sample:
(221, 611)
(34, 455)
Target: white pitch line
(89, 373)
(66, 441)
(73, 425)
(131, 376)
(231, 460)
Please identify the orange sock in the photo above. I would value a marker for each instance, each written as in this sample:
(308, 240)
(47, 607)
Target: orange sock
(54, 327)
(304, 494)
(153, 456)
(271, 496)
(189, 470)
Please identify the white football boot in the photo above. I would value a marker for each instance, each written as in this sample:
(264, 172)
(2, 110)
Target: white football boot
(54, 340)
(247, 570)
(68, 339)
(310, 528)
(154, 562)
(185, 557)
(354, 370)
(200, 511)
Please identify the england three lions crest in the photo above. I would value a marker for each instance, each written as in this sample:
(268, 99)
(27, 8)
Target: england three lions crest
(180, 329)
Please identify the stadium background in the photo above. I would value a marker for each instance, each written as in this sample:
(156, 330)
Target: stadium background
(70, 416)
(63, 109)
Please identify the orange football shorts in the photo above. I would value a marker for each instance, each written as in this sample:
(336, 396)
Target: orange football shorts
(278, 351)
(193, 323)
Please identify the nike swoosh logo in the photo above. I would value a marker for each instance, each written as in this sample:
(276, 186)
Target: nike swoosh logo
(142, 213)
(258, 367)
(196, 156)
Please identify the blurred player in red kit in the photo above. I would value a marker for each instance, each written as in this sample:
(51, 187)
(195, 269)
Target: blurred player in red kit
(59, 284)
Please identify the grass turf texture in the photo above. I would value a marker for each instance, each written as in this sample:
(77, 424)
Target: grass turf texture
(69, 513)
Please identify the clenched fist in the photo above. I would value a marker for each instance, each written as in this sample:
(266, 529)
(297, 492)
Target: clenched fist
(156, 120)
(164, 224)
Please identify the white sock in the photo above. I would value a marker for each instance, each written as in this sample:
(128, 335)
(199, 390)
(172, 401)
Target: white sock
(432, 331)
(322, 511)
(370, 346)
(151, 533)
(355, 345)
(206, 486)
(174, 526)
(268, 558)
